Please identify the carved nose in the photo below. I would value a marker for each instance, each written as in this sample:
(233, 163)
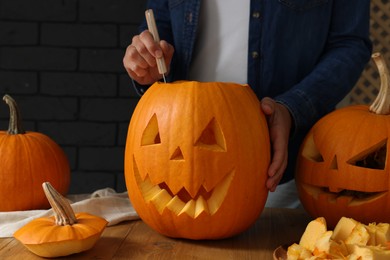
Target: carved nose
(177, 154)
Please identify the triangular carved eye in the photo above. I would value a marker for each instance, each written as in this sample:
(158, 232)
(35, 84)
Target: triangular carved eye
(151, 134)
(310, 150)
(212, 137)
(373, 158)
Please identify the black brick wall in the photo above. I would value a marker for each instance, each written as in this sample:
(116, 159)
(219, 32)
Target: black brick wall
(61, 60)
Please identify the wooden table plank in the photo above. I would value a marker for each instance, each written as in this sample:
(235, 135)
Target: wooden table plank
(274, 227)
(4, 242)
(135, 240)
(111, 240)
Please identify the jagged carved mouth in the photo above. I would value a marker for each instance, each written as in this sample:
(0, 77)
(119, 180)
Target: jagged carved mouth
(353, 198)
(182, 202)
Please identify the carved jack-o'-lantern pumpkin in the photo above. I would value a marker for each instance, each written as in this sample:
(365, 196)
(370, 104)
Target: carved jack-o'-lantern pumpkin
(196, 159)
(342, 168)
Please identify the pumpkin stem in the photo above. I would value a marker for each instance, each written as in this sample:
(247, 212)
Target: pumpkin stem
(381, 105)
(15, 119)
(63, 212)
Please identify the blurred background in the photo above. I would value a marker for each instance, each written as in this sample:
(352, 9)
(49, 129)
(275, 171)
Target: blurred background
(61, 60)
(367, 87)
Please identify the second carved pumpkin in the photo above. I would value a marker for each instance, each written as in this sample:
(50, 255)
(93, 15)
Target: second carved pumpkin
(342, 168)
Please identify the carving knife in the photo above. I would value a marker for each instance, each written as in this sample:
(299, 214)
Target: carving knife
(162, 69)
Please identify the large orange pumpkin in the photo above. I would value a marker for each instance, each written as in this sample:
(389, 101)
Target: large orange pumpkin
(343, 168)
(196, 159)
(27, 159)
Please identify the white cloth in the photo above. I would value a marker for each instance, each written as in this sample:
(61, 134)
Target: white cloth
(285, 196)
(221, 50)
(106, 203)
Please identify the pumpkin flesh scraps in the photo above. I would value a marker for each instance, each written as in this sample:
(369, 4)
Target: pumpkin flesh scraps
(63, 234)
(162, 198)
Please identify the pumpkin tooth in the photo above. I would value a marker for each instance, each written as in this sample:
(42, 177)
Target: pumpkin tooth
(189, 209)
(312, 190)
(192, 208)
(344, 200)
(148, 189)
(160, 200)
(327, 196)
(185, 196)
(219, 193)
(335, 190)
(201, 206)
(176, 205)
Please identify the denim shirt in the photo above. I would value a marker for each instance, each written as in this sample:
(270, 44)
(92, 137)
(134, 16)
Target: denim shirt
(306, 54)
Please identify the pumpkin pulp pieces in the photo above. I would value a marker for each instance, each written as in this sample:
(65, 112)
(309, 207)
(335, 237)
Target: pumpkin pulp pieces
(349, 240)
(342, 168)
(63, 234)
(27, 159)
(196, 159)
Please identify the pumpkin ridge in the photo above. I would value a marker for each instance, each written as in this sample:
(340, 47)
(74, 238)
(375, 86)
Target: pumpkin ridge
(46, 149)
(27, 148)
(55, 150)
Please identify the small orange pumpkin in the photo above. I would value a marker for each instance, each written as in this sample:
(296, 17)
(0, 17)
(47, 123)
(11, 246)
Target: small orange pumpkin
(28, 159)
(63, 234)
(196, 159)
(343, 166)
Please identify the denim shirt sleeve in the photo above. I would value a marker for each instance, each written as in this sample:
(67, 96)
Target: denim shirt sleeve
(346, 52)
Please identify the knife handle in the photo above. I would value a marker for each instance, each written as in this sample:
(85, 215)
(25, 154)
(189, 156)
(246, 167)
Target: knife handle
(162, 69)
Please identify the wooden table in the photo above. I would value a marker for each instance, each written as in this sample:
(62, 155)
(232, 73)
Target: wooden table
(135, 240)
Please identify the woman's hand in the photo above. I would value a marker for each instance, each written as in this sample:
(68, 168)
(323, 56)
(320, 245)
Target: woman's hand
(279, 124)
(140, 58)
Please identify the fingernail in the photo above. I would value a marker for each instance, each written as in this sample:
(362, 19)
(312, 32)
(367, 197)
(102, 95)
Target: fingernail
(158, 54)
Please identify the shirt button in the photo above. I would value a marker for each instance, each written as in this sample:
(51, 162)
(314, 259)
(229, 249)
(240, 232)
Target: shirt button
(189, 18)
(256, 14)
(255, 54)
